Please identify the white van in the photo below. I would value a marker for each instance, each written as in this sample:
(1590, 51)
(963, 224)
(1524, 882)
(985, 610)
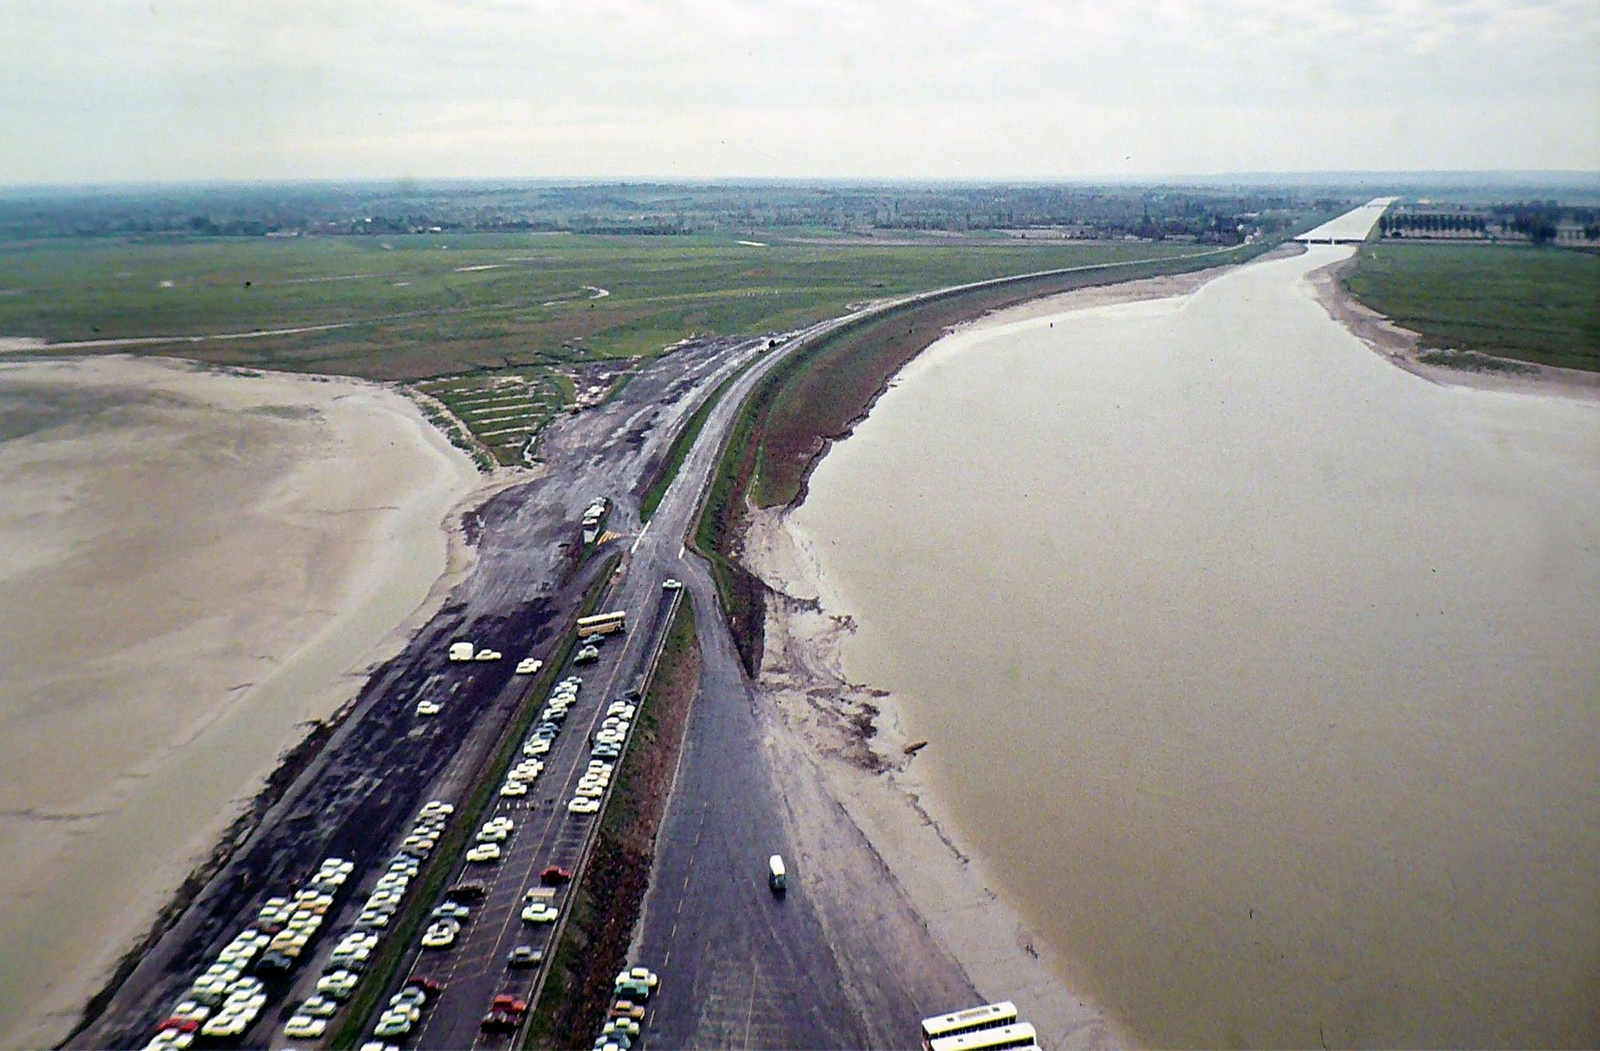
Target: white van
(777, 879)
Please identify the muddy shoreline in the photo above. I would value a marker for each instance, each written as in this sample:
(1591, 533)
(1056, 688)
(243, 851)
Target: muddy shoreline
(854, 734)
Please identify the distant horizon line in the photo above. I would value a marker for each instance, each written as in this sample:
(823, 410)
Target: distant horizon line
(1541, 175)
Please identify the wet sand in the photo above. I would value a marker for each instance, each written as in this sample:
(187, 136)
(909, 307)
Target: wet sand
(195, 566)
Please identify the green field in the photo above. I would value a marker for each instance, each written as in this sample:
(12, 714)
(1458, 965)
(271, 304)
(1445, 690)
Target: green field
(1516, 301)
(501, 329)
(421, 306)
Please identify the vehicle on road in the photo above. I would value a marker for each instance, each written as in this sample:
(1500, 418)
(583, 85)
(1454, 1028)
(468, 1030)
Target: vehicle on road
(602, 623)
(554, 876)
(621, 1026)
(468, 891)
(640, 974)
(426, 708)
(777, 878)
(993, 1038)
(627, 1009)
(451, 910)
(499, 1022)
(338, 985)
(524, 956)
(581, 805)
(671, 584)
(586, 655)
(484, 852)
(540, 912)
(513, 789)
(318, 1007)
(441, 935)
(536, 746)
(304, 1026)
(529, 666)
(510, 1003)
(970, 1020)
(391, 1024)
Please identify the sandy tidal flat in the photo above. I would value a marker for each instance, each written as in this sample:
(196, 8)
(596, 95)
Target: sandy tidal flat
(193, 564)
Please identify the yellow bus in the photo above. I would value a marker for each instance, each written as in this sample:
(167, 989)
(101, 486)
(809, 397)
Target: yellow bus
(602, 623)
(988, 1016)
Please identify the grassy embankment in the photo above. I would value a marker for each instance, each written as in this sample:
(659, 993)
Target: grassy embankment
(356, 1016)
(605, 907)
(817, 395)
(499, 327)
(1538, 304)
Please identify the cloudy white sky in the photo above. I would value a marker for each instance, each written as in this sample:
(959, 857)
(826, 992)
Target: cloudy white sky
(274, 89)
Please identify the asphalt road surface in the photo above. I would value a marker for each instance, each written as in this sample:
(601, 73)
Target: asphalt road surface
(739, 968)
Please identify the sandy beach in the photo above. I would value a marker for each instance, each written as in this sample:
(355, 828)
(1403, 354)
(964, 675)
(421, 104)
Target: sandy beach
(197, 567)
(855, 735)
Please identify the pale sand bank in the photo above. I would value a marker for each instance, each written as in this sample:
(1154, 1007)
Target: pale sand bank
(193, 565)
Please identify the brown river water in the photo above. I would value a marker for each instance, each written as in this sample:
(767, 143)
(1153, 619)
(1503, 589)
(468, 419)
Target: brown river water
(1263, 675)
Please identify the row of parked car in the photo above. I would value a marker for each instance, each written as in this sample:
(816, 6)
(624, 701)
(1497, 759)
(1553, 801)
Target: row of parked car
(625, 1018)
(355, 947)
(227, 997)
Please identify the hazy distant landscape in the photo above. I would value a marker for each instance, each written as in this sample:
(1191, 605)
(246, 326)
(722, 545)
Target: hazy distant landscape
(809, 525)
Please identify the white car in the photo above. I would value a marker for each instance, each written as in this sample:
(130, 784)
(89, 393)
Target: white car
(536, 746)
(226, 1023)
(513, 788)
(643, 975)
(540, 912)
(529, 666)
(581, 805)
(590, 791)
(671, 584)
(392, 1025)
(437, 806)
(429, 708)
(441, 935)
(484, 852)
(337, 984)
(304, 1026)
(318, 1007)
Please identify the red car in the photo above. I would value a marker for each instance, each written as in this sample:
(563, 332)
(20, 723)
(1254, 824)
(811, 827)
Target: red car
(554, 876)
(182, 1025)
(419, 982)
(508, 1004)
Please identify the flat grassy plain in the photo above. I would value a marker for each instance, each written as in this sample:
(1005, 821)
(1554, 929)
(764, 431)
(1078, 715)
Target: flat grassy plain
(1539, 304)
(499, 328)
(416, 307)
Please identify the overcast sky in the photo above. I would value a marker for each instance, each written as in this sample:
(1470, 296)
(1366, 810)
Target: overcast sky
(289, 89)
